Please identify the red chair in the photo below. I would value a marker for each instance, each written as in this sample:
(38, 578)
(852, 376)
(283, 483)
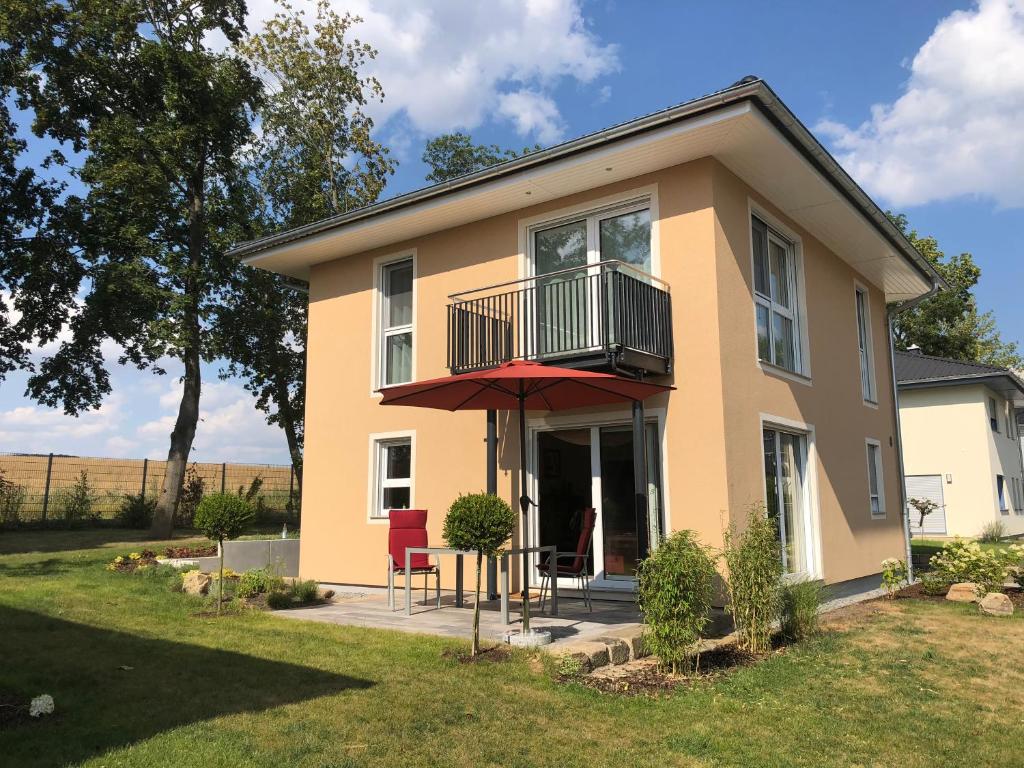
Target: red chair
(409, 529)
(577, 569)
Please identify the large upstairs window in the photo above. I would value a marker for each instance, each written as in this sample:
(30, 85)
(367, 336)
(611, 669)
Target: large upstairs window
(776, 298)
(396, 338)
(867, 363)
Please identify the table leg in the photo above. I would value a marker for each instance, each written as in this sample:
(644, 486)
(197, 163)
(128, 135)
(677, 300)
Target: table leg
(554, 585)
(504, 589)
(458, 581)
(408, 582)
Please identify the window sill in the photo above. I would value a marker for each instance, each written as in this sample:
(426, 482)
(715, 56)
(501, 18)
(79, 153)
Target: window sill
(784, 373)
(879, 516)
(871, 404)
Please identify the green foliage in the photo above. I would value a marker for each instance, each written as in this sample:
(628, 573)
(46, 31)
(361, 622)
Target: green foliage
(923, 507)
(968, 561)
(479, 521)
(935, 583)
(223, 516)
(191, 494)
(894, 575)
(76, 503)
(800, 603)
(949, 323)
(305, 591)
(674, 590)
(569, 667)
(12, 496)
(279, 599)
(258, 581)
(136, 511)
(754, 559)
(296, 594)
(993, 532)
(454, 154)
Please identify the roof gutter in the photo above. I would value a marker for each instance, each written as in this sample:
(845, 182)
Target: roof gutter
(897, 309)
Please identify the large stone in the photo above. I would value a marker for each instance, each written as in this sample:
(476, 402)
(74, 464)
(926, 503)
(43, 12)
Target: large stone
(633, 636)
(618, 649)
(596, 654)
(963, 592)
(196, 583)
(996, 604)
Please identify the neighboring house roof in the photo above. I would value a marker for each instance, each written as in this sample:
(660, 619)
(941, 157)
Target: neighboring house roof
(746, 126)
(917, 371)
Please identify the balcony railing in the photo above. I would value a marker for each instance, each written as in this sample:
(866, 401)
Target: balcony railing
(602, 315)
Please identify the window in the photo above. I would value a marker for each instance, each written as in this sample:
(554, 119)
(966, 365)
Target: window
(1008, 416)
(867, 366)
(1001, 490)
(876, 485)
(393, 476)
(993, 414)
(396, 350)
(785, 459)
(775, 298)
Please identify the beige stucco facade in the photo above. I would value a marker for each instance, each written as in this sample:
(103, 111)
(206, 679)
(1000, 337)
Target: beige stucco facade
(710, 427)
(946, 432)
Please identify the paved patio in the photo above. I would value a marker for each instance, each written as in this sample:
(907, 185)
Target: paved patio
(368, 607)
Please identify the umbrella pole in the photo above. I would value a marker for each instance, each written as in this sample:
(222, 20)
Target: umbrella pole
(524, 506)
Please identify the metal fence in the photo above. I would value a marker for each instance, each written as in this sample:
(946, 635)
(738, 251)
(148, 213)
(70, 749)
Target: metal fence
(42, 488)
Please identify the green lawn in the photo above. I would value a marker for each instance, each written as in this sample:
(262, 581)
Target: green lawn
(139, 680)
(930, 547)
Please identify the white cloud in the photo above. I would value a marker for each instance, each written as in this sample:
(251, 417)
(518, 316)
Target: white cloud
(532, 112)
(957, 128)
(449, 64)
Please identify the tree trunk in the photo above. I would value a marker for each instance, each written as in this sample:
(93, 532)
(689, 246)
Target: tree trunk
(287, 418)
(476, 609)
(188, 409)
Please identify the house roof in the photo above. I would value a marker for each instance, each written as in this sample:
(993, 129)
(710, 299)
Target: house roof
(745, 126)
(917, 371)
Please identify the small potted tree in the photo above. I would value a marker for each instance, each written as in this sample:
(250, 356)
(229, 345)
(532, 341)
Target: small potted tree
(481, 522)
(923, 507)
(220, 517)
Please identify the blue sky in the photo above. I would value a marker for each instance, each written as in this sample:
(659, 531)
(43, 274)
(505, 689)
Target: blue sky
(923, 102)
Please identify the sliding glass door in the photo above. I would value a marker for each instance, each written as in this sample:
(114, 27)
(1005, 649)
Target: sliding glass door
(785, 459)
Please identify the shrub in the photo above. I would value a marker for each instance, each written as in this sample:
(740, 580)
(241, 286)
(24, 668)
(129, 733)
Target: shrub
(934, 583)
(136, 511)
(961, 561)
(76, 502)
(993, 532)
(894, 576)
(12, 496)
(481, 522)
(754, 560)
(305, 592)
(222, 516)
(674, 589)
(188, 502)
(800, 602)
(258, 581)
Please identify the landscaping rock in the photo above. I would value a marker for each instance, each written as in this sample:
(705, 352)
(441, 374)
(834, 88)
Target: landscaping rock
(196, 583)
(618, 649)
(996, 604)
(964, 592)
(633, 636)
(325, 594)
(595, 654)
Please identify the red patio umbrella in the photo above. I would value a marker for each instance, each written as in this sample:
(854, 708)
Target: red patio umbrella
(521, 385)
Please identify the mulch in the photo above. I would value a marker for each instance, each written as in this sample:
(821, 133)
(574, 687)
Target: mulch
(648, 679)
(189, 552)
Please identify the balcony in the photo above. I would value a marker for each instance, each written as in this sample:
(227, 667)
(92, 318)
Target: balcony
(608, 315)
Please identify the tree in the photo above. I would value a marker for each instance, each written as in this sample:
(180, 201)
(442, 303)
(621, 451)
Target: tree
(454, 154)
(315, 158)
(949, 323)
(158, 119)
(481, 522)
(222, 516)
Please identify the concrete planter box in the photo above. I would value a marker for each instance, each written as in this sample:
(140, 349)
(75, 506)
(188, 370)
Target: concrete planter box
(280, 554)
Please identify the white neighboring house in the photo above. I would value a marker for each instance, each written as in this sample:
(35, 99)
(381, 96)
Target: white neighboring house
(960, 427)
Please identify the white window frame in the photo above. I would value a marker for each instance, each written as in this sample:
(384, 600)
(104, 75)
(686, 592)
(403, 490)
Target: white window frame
(809, 494)
(377, 482)
(865, 345)
(379, 333)
(794, 244)
(879, 492)
(624, 202)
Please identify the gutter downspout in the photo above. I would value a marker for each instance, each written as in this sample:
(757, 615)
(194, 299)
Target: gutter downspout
(902, 482)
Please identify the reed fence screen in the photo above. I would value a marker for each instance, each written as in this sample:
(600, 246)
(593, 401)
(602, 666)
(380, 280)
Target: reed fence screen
(40, 488)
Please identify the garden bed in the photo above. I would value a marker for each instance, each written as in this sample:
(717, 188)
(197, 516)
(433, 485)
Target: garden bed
(189, 552)
(916, 592)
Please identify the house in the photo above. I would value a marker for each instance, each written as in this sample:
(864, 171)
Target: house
(961, 443)
(715, 246)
